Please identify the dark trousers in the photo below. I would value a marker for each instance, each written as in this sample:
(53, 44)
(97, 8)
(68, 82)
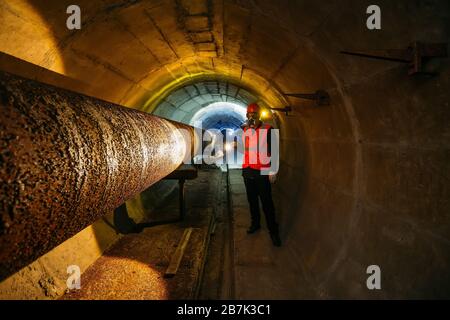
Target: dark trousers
(259, 187)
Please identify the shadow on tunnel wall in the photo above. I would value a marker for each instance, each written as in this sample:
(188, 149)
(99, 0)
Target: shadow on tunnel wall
(140, 212)
(290, 188)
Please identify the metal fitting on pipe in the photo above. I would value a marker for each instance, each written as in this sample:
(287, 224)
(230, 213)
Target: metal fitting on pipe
(66, 159)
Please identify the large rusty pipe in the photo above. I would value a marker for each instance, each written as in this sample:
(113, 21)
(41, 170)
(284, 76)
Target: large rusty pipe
(66, 159)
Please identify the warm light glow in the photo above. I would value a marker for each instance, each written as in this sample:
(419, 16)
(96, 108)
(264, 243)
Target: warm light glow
(264, 114)
(134, 271)
(228, 146)
(33, 39)
(160, 94)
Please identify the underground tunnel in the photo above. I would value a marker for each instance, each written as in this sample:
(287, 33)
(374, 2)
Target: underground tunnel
(91, 149)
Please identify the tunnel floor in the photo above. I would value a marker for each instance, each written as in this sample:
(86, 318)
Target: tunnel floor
(221, 260)
(262, 271)
(134, 267)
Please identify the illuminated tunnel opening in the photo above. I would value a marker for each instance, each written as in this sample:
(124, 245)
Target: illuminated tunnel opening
(220, 116)
(226, 117)
(207, 100)
(219, 103)
(212, 103)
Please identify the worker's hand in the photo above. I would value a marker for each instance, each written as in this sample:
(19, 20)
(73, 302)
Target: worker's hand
(230, 146)
(272, 177)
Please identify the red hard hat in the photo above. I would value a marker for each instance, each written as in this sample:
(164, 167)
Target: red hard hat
(252, 107)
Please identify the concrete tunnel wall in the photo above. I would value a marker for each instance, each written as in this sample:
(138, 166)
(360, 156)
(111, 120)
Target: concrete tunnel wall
(363, 181)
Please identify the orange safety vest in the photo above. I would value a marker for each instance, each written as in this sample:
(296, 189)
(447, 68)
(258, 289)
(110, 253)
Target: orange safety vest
(256, 153)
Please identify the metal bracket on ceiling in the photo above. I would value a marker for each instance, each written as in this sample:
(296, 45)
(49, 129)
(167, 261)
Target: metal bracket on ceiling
(321, 97)
(416, 55)
(286, 109)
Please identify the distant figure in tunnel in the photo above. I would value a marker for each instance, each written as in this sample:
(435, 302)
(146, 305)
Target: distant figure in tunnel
(257, 146)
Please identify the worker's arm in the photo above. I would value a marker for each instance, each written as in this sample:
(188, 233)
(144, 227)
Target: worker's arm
(272, 175)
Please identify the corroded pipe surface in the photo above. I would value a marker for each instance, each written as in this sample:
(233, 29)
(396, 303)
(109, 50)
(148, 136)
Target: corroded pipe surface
(67, 159)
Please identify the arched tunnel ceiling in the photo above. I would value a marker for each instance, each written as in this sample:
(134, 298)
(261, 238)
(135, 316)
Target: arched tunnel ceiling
(182, 104)
(131, 52)
(218, 115)
(141, 48)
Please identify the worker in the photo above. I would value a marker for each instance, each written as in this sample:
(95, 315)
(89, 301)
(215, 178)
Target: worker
(257, 153)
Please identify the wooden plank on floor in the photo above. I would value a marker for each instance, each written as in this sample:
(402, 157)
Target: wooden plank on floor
(178, 255)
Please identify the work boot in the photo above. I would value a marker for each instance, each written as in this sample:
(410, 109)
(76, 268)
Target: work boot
(276, 239)
(253, 229)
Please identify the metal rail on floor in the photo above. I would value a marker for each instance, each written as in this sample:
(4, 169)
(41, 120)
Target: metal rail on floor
(232, 289)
